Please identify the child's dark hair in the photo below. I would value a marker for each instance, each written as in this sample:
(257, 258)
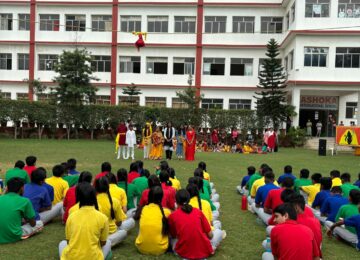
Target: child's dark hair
(345, 177)
(15, 184)
(65, 166)
(102, 186)
(58, 170)
(30, 160)
(71, 164)
(288, 169)
(251, 170)
(199, 173)
(111, 177)
(171, 172)
(316, 177)
(38, 176)
(86, 195)
(296, 200)
(145, 173)
(140, 165)
(202, 165)
(287, 183)
(285, 194)
(133, 167)
(122, 176)
(286, 208)
(106, 167)
(194, 191)
(85, 176)
(182, 200)
(355, 196)
(164, 165)
(269, 175)
(19, 164)
(155, 196)
(335, 174)
(43, 169)
(164, 178)
(326, 183)
(153, 180)
(336, 190)
(304, 173)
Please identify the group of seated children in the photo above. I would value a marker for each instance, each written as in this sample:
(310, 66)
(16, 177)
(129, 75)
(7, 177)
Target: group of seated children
(98, 212)
(293, 210)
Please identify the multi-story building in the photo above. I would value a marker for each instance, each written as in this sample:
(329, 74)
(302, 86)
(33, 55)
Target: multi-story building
(221, 43)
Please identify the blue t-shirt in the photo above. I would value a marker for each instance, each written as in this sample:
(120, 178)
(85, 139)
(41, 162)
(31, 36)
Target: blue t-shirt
(245, 180)
(357, 183)
(49, 189)
(286, 175)
(332, 205)
(320, 198)
(354, 221)
(39, 197)
(263, 191)
(73, 172)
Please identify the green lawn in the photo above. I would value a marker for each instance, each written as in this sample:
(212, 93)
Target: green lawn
(244, 235)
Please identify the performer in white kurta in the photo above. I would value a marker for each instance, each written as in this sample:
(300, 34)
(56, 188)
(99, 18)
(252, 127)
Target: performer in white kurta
(131, 142)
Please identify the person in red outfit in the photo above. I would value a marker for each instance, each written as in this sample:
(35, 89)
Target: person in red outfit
(105, 169)
(190, 144)
(30, 165)
(133, 173)
(289, 239)
(271, 140)
(121, 130)
(70, 197)
(169, 191)
(214, 138)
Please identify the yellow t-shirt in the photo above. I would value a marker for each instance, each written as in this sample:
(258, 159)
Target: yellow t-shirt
(105, 208)
(60, 188)
(175, 184)
(150, 240)
(84, 230)
(118, 194)
(257, 184)
(206, 176)
(205, 208)
(311, 190)
(336, 182)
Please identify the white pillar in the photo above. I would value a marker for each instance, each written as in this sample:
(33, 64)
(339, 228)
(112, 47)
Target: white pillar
(358, 110)
(295, 101)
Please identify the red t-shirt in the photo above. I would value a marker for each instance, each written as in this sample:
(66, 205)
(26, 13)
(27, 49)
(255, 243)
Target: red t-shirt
(170, 195)
(190, 230)
(273, 200)
(294, 241)
(69, 201)
(29, 169)
(313, 224)
(101, 174)
(168, 201)
(132, 176)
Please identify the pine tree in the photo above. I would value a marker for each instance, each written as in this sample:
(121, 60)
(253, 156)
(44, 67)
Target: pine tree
(131, 91)
(271, 100)
(74, 79)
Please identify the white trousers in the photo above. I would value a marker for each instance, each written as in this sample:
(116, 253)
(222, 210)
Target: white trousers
(130, 152)
(47, 216)
(121, 149)
(343, 233)
(105, 249)
(147, 149)
(28, 230)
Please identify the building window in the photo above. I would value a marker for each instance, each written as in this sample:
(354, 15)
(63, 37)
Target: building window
(317, 8)
(6, 21)
(215, 24)
(209, 103)
(101, 23)
(178, 103)
(347, 57)
(243, 24)
(5, 95)
(129, 64)
(184, 66)
(23, 61)
(351, 109)
(271, 24)
(241, 67)
(45, 97)
(76, 23)
(293, 13)
(101, 63)
(349, 9)
(49, 22)
(102, 100)
(315, 57)
(185, 24)
(156, 65)
(129, 100)
(214, 66)
(239, 103)
(291, 60)
(22, 96)
(286, 63)
(24, 22)
(155, 101)
(47, 61)
(158, 24)
(130, 23)
(5, 61)
(288, 21)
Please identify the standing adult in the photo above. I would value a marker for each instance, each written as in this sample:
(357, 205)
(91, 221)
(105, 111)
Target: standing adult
(180, 137)
(266, 136)
(190, 144)
(308, 128)
(271, 140)
(214, 138)
(234, 136)
(318, 128)
(146, 135)
(169, 134)
(130, 142)
(157, 145)
(121, 140)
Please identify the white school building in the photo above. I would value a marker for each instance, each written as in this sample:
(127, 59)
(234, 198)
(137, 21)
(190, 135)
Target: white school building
(221, 43)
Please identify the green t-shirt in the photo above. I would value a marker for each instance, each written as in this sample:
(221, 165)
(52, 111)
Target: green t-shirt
(141, 184)
(72, 180)
(347, 211)
(346, 188)
(252, 179)
(205, 196)
(301, 182)
(132, 192)
(16, 172)
(207, 186)
(13, 208)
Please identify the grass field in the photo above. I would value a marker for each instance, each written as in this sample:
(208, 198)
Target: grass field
(244, 235)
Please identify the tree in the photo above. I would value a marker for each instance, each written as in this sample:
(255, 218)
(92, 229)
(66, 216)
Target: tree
(131, 91)
(271, 100)
(74, 79)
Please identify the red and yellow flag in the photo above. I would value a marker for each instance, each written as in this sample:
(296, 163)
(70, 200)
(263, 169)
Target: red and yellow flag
(348, 135)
